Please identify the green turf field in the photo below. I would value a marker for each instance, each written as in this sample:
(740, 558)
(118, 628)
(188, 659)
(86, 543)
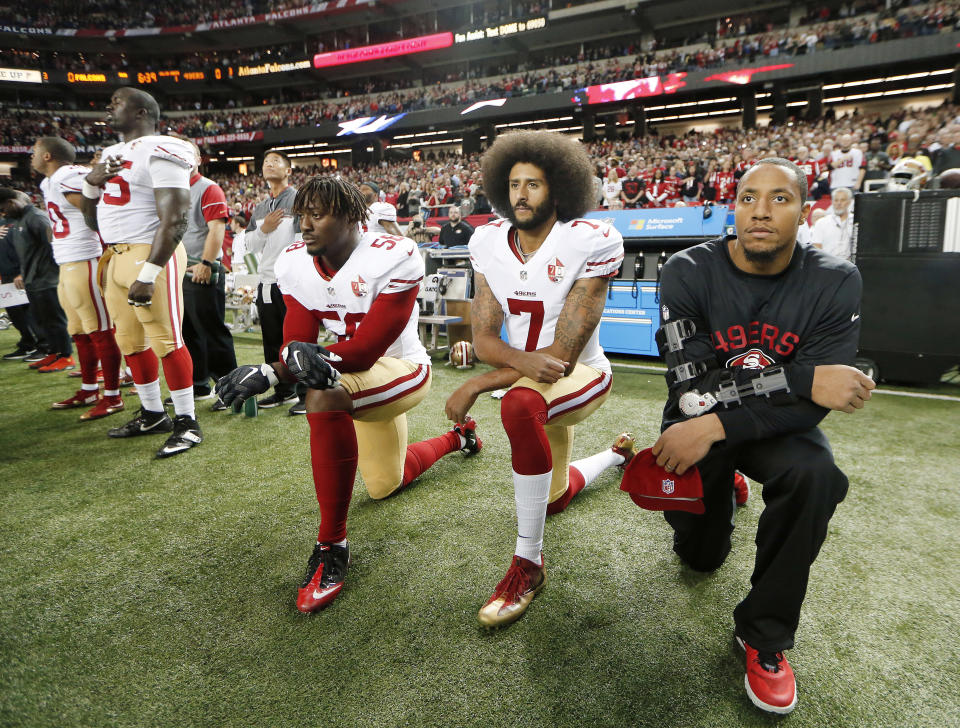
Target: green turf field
(136, 592)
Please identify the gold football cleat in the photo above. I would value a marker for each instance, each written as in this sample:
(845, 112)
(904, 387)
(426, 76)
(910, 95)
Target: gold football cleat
(524, 579)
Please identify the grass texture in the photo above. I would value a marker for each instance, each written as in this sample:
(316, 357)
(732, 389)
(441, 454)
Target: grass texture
(137, 592)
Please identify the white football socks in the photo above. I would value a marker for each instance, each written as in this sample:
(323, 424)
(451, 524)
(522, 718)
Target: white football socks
(531, 493)
(89, 387)
(183, 401)
(150, 398)
(591, 467)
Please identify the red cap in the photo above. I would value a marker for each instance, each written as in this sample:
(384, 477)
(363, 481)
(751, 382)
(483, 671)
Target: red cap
(653, 488)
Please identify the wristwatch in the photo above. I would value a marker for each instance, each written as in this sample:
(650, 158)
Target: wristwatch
(207, 263)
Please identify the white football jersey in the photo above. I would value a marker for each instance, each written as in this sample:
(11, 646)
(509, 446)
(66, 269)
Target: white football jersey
(375, 213)
(127, 211)
(846, 167)
(532, 294)
(72, 239)
(379, 264)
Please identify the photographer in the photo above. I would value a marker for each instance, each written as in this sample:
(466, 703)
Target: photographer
(420, 233)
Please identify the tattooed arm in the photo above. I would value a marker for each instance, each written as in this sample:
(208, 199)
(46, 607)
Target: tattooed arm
(579, 317)
(172, 206)
(487, 319)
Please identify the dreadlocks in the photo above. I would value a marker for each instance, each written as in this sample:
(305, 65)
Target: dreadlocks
(333, 196)
(564, 161)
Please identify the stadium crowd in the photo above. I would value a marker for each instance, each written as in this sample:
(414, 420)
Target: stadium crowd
(735, 41)
(119, 14)
(660, 171)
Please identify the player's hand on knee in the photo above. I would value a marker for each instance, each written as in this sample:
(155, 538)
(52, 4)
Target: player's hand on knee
(310, 364)
(541, 367)
(840, 387)
(244, 382)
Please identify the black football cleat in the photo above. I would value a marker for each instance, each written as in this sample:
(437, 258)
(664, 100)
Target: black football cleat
(145, 423)
(326, 571)
(186, 434)
(468, 431)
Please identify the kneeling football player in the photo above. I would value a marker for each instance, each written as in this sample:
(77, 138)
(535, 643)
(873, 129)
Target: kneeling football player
(363, 288)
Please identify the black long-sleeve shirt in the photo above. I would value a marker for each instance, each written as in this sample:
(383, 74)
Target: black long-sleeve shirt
(805, 316)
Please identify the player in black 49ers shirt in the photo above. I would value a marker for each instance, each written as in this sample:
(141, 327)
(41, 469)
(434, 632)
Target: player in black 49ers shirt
(758, 299)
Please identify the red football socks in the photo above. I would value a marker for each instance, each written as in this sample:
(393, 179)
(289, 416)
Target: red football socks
(575, 484)
(178, 369)
(333, 453)
(109, 354)
(422, 455)
(524, 413)
(87, 358)
(144, 366)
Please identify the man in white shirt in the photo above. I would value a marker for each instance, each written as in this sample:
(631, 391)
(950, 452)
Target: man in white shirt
(847, 165)
(834, 231)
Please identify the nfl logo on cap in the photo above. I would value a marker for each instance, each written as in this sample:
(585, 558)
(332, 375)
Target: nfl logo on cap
(667, 486)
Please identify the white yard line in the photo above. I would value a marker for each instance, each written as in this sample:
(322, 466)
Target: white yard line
(917, 395)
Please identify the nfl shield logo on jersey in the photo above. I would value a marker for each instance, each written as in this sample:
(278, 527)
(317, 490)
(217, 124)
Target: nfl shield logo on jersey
(667, 486)
(359, 287)
(555, 271)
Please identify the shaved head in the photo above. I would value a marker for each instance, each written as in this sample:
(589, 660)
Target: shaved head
(143, 100)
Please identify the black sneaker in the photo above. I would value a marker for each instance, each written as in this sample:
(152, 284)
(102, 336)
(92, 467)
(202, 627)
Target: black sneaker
(186, 434)
(326, 571)
(145, 423)
(18, 354)
(218, 406)
(35, 355)
(276, 399)
(468, 431)
(300, 408)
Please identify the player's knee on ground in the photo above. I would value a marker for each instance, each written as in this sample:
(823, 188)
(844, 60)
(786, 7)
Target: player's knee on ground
(703, 544)
(382, 485)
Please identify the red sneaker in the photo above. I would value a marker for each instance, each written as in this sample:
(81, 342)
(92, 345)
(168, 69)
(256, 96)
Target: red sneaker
(326, 571)
(741, 487)
(126, 380)
(105, 406)
(770, 683)
(514, 593)
(81, 399)
(60, 364)
(48, 359)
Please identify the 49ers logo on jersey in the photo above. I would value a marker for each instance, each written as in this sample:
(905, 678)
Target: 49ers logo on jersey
(753, 359)
(359, 287)
(555, 271)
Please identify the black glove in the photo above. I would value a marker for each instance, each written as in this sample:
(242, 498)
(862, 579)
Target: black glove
(245, 382)
(310, 364)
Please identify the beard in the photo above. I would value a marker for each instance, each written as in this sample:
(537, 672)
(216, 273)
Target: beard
(540, 215)
(767, 255)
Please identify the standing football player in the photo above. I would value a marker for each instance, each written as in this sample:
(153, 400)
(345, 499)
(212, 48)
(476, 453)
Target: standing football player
(138, 196)
(544, 272)
(363, 288)
(758, 299)
(77, 249)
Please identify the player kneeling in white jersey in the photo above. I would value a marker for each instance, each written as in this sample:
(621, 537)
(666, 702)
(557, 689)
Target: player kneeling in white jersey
(544, 272)
(363, 288)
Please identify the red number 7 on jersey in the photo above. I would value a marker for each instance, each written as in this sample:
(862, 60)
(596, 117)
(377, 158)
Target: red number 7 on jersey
(518, 306)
